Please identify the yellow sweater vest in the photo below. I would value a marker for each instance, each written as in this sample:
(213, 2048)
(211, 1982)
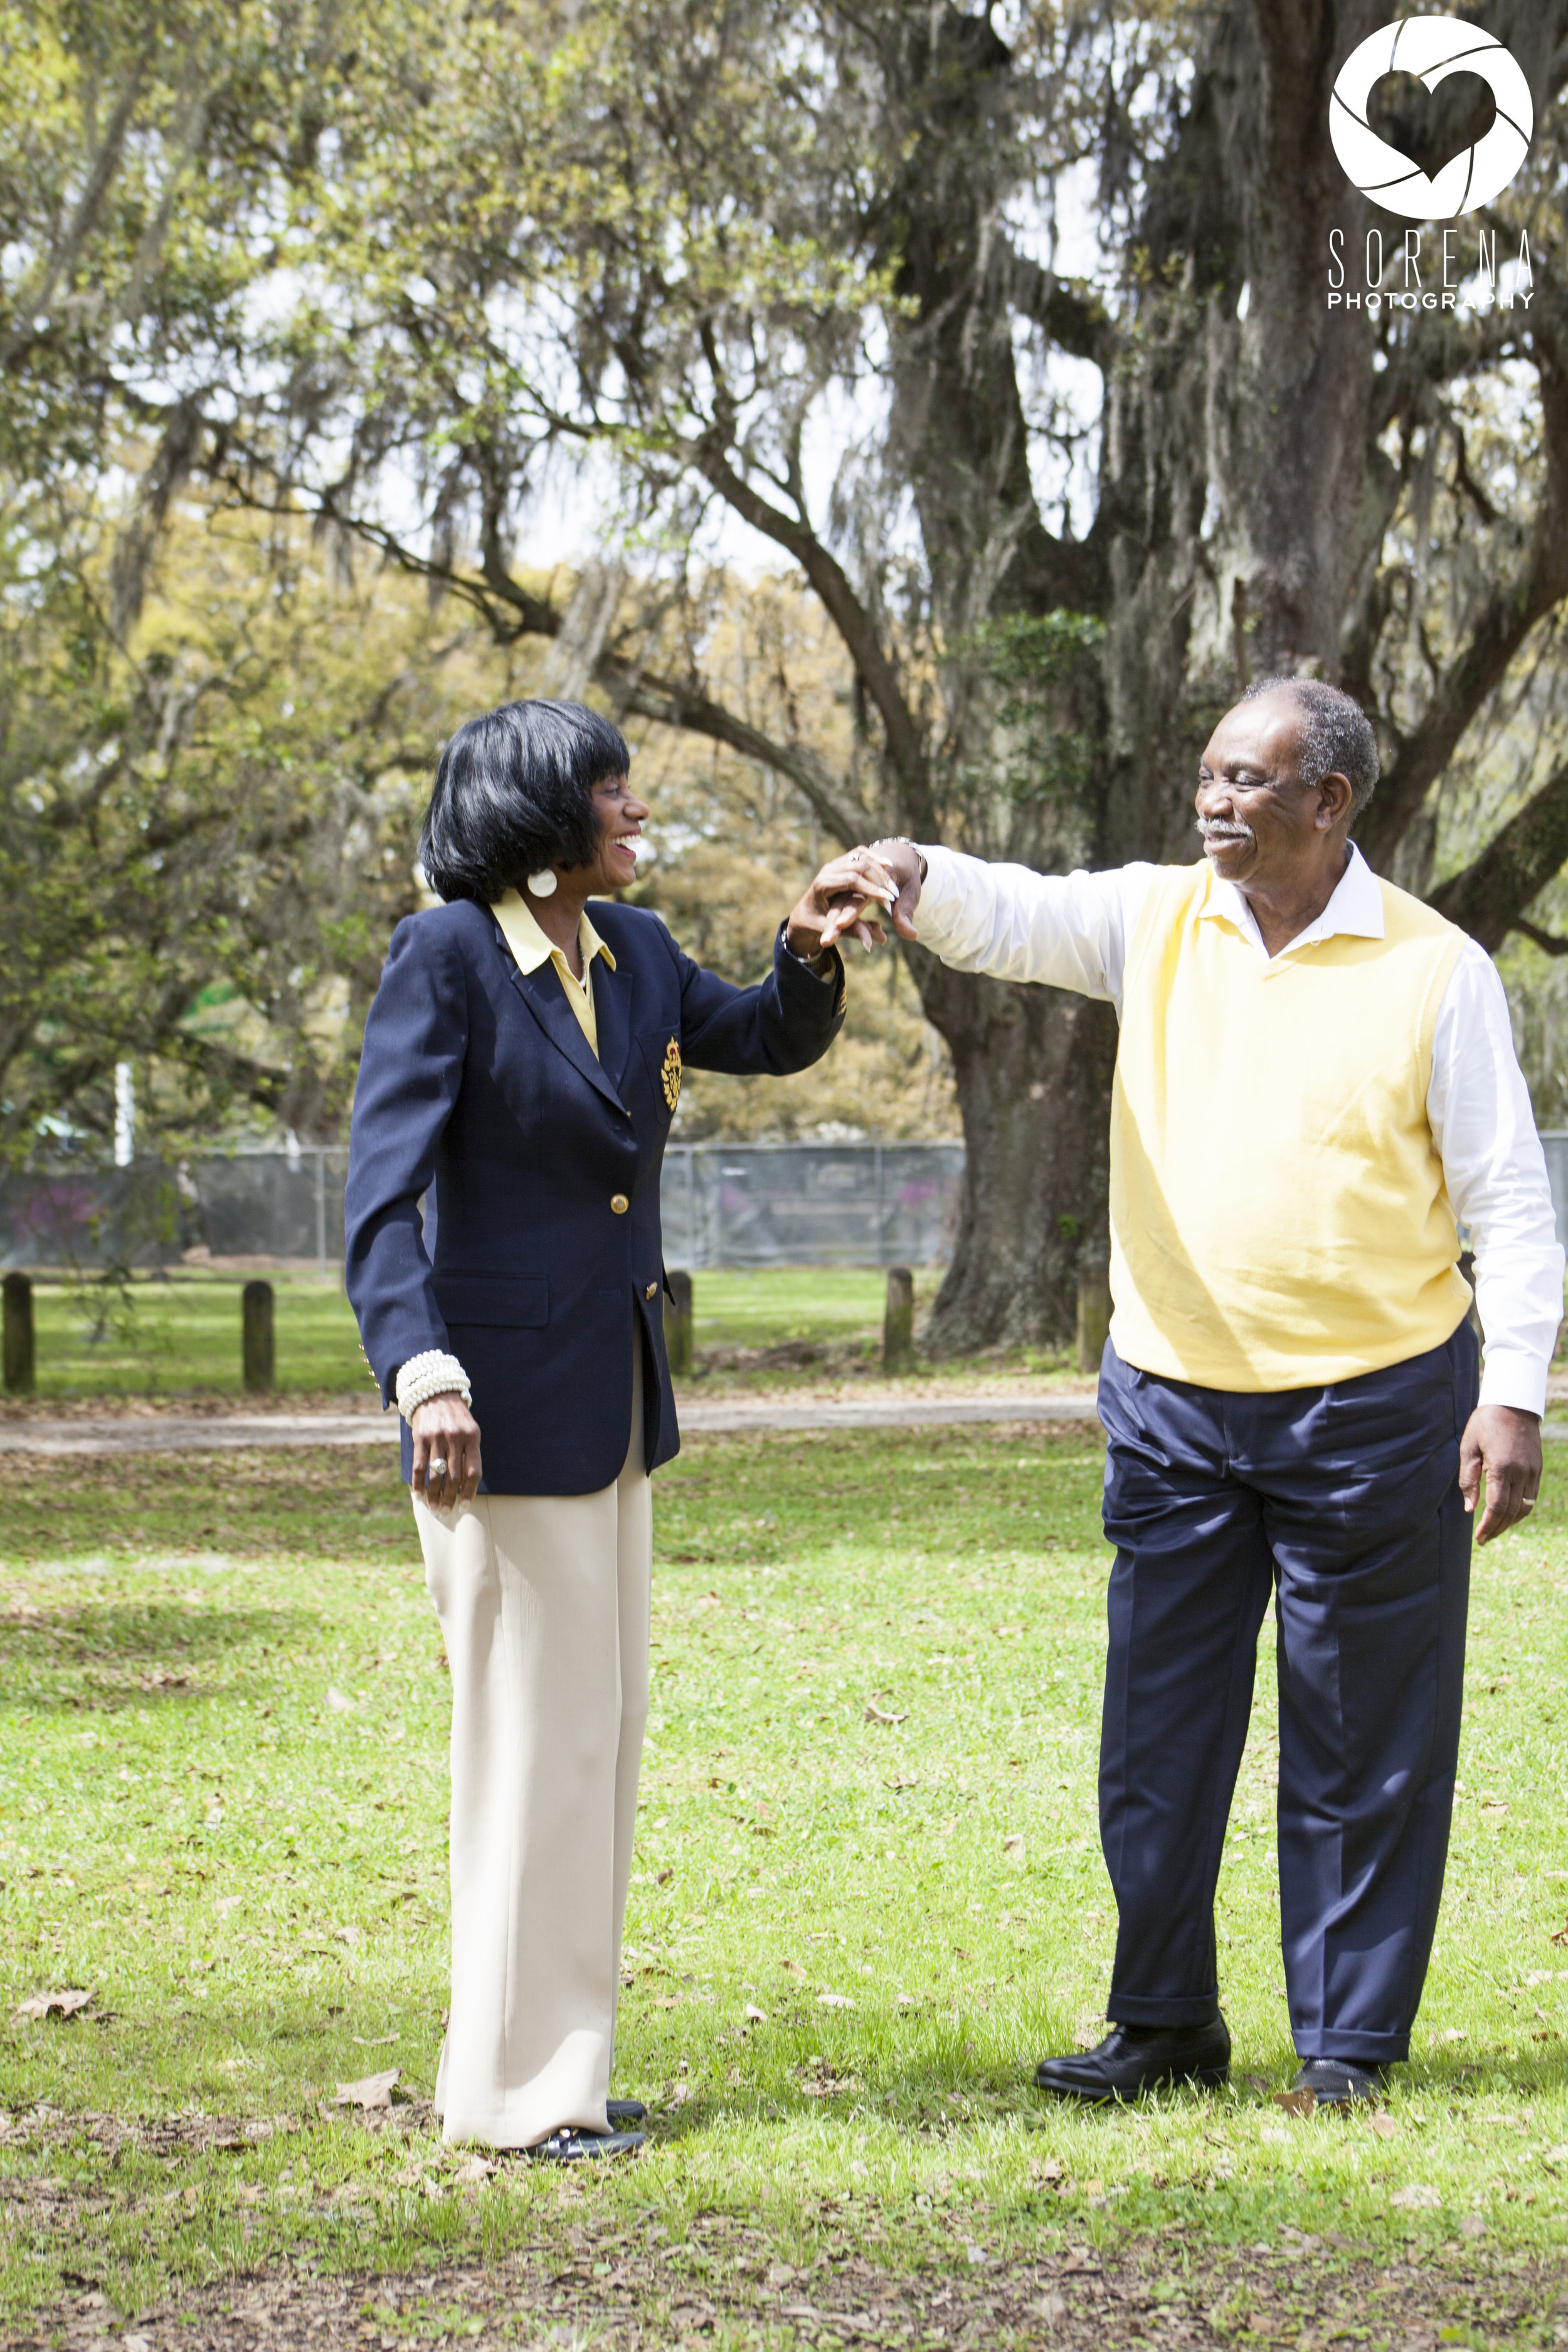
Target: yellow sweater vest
(1277, 1213)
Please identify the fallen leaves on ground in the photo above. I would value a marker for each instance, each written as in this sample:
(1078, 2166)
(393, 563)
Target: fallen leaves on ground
(50, 2004)
(1297, 2103)
(370, 2090)
(655, 2291)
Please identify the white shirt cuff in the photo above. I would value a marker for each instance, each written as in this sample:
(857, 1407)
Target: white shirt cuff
(941, 892)
(1512, 1377)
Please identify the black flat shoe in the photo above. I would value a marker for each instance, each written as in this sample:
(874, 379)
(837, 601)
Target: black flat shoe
(569, 2146)
(1134, 2058)
(1340, 2083)
(626, 2111)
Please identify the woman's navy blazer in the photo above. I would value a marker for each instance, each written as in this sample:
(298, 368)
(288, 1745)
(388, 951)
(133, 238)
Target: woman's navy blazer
(477, 1088)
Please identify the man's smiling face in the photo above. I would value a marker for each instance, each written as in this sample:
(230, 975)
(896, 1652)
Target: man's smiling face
(1260, 824)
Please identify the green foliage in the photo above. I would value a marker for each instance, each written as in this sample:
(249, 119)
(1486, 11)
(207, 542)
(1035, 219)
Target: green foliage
(211, 830)
(1043, 669)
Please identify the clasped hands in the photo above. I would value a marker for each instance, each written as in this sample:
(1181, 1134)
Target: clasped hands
(855, 897)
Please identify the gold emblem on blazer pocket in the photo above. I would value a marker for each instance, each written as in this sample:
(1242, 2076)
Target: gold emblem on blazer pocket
(669, 1075)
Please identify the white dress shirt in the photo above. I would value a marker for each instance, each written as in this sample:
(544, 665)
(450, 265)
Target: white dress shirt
(1073, 930)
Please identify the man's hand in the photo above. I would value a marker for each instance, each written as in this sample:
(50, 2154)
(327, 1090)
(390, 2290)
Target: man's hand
(844, 887)
(447, 1466)
(1506, 1446)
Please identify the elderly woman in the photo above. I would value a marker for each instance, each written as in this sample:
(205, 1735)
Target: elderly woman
(522, 1066)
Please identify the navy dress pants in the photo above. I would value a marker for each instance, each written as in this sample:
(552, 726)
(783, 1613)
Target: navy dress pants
(1345, 1501)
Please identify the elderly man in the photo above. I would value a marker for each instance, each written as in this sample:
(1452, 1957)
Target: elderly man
(1315, 1079)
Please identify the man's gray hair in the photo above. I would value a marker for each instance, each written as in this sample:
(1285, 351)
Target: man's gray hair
(1336, 734)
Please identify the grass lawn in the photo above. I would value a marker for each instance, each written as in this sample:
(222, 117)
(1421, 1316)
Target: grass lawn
(161, 1338)
(777, 1327)
(222, 1717)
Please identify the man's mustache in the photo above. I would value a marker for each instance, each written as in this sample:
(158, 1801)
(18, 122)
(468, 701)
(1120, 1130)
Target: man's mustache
(1223, 828)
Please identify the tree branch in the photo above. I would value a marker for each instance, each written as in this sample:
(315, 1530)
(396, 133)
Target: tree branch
(1489, 896)
(1511, 613)
(1547, 941)
(511, 612)
(844, 609)
(680, 706)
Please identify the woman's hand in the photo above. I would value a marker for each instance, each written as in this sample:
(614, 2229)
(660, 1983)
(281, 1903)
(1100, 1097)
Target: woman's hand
(847, 888)
(447, 1465)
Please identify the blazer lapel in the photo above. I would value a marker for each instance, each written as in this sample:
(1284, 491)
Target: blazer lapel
(542, 994)
(612, 1012)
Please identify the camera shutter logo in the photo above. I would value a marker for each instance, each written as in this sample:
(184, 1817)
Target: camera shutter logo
(1431, 47)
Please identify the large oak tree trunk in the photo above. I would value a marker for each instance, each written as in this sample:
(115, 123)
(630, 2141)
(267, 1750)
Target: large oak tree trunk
(1032, 1069)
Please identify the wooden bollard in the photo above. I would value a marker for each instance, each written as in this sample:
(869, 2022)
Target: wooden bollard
(898, 1321)
(18, 1348)
(256, 1345)
(678, 1320)
(1093, 1311)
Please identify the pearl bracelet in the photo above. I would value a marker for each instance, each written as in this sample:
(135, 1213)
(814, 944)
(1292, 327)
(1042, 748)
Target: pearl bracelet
(434, 1374)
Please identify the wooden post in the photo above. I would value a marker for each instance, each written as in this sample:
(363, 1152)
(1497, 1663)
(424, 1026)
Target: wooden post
(899, 1322)
(678, 1320)
(19, 1335)
(1093, 1310)
(255, 1348)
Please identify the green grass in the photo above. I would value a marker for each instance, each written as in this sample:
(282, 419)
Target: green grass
(182, 1336)
(162, 1338)
(776, 1305)
(223, 1715)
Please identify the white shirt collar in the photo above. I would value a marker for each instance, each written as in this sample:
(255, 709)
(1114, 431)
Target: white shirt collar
(1356, 907)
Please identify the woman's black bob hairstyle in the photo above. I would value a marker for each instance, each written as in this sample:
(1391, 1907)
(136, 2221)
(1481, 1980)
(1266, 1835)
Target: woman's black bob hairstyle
(511, 797)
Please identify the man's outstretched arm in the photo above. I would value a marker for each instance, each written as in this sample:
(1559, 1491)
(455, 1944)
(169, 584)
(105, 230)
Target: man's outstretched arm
(1061, 930)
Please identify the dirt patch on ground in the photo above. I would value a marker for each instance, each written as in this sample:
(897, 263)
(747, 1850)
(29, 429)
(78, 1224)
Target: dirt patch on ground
(720, 2283)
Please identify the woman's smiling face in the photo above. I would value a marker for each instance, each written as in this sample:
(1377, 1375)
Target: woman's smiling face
(620, 816)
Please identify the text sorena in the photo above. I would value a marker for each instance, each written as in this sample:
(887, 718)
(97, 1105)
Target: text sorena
(1448, 293)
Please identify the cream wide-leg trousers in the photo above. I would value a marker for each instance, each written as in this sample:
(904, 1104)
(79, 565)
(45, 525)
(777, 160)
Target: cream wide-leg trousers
(543, 1601)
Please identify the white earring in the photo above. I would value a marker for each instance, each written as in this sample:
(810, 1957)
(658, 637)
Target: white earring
(542, 885)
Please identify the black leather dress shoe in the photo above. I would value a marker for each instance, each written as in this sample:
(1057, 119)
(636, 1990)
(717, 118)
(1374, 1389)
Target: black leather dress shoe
(1340, 2083)
(569, 2146)
(626, 2111)
(1134, 2058)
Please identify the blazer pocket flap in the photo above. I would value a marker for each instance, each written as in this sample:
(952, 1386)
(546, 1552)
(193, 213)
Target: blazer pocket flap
(519, 1301)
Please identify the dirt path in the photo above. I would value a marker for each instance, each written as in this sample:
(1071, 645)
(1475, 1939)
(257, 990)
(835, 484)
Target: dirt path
(173, 1429)
(172, 1432)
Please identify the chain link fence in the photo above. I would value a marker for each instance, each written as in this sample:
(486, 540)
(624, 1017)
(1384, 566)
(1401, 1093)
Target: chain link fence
(723, 1204)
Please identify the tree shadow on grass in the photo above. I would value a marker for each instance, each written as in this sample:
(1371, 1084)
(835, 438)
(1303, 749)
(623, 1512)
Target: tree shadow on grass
(115, 1653)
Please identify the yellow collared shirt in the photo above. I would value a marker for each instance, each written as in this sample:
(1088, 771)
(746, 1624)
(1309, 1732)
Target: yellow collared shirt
(531, 949)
